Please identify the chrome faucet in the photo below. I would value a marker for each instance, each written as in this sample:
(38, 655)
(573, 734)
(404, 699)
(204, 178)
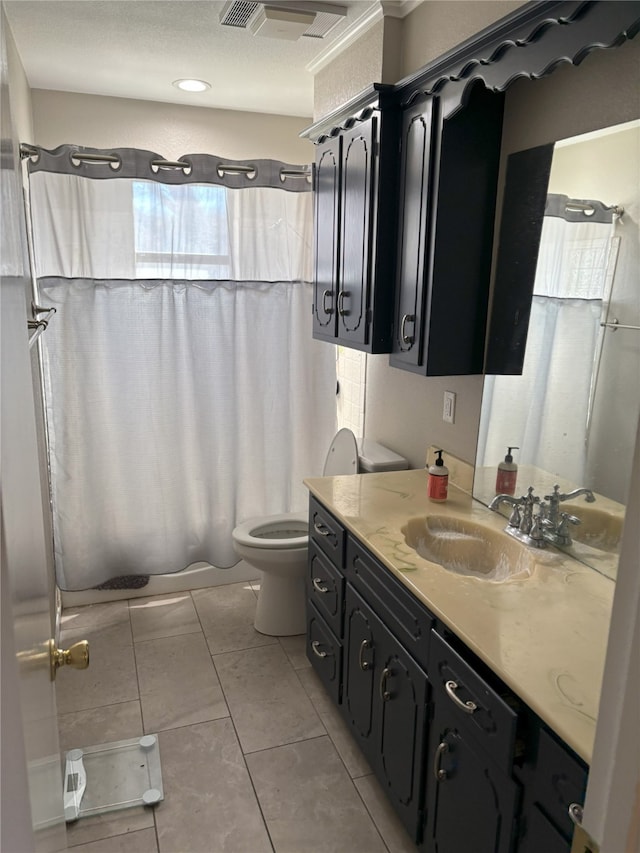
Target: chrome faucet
(522, 524)
(556, 523)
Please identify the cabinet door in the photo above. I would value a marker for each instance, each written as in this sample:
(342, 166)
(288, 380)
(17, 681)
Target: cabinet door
(327, 236)
(471, 804)
(414, 220)
(357, 199)
(361, 629)
(401, 713)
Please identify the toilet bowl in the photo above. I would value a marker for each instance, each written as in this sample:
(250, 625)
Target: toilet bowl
(277, 545)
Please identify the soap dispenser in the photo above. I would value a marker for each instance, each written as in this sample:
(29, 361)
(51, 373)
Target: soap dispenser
(507, 474)
(438, 482)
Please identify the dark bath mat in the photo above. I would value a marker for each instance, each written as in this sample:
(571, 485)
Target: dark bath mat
(125, 582)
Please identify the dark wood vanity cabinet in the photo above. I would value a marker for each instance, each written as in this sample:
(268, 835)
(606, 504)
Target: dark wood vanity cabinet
(556, 781)
(471, 793)
(355, 212)
(384, 702)
(465, 764)
(448, 180)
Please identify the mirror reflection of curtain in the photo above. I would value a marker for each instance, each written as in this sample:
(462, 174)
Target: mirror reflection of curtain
(556, 384)
(184, 391)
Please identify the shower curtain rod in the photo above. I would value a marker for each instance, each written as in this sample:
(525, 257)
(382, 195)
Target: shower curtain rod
(223, 168)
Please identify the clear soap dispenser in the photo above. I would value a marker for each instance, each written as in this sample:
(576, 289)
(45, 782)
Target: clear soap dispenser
(507, 474)
(438, 482)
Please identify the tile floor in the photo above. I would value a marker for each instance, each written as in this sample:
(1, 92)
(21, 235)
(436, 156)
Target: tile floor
(254, 755)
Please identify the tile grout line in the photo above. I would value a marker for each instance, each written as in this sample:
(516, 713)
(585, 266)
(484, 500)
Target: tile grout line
(237, 736)
(135, 663)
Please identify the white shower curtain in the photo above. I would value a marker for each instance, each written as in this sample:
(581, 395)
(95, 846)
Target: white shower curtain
(184, 392)
(561, 355)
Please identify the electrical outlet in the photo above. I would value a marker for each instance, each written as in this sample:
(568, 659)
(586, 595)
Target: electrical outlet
(449, 407)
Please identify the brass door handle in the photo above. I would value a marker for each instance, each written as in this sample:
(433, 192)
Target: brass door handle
(76, 656)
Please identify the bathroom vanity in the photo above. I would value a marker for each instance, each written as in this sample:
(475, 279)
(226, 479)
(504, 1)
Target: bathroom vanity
(473, 697)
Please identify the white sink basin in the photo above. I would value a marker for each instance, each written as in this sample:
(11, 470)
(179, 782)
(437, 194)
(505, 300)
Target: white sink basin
(467, 548)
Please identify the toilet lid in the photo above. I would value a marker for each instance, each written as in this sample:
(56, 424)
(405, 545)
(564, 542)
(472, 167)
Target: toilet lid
(342, 457)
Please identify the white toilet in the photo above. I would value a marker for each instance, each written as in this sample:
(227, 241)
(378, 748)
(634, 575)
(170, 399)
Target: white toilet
(277, 544)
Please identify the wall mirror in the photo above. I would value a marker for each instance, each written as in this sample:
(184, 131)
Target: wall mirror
(565, 333)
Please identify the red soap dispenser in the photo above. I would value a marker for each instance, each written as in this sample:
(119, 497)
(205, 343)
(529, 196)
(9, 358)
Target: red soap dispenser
(438, 482)
(507, 474)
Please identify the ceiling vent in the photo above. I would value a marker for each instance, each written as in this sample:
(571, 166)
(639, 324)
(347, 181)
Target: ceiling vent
(290, 22)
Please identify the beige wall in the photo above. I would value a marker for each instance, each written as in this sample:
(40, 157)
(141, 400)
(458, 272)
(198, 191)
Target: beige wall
(435, 26)
(169, 130)
(350, 73)
(20, 94)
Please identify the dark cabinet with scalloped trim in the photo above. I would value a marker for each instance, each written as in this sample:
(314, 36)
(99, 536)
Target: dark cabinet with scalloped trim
(354, 225)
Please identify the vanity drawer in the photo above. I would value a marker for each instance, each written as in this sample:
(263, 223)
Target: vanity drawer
(493, 722)
(324, 652)
(402, 613)
(325, 588)
(327, 532)
(560, 780)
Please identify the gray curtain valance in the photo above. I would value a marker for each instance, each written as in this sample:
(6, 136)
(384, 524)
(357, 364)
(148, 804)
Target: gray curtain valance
(188, 169)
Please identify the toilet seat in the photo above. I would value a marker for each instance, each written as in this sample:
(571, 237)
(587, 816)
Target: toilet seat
(285, 531)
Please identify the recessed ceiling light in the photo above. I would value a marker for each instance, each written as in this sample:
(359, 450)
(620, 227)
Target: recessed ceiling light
(189, 85)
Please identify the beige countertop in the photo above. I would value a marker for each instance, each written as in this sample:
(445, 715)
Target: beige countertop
(544, 634)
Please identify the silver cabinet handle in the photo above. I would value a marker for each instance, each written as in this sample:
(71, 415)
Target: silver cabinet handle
(438, 772)
(315, 645)
(408, 318)
(324, 302)
(341, 309)
(321, 529)
(385, 695)
(364, 665)
(468, 707)
(317, 585)
(575, 813)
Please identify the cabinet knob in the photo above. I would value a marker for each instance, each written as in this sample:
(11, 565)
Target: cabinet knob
(575, 813)
(326, 310)
(321, 529)
(317, 585)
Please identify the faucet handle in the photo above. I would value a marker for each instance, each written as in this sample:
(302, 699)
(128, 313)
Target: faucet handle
(555, 496)
(567, 519)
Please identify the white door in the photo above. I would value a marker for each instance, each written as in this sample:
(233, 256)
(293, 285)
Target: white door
(31, 785)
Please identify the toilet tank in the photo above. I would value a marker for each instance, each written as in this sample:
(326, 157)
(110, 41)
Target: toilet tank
(374, 457)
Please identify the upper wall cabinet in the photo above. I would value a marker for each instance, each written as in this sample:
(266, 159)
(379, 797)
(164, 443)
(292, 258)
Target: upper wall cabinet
(355, 210)
(448, 179)
(406, 184)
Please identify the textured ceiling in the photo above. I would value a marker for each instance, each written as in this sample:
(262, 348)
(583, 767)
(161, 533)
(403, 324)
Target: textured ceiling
(137, 48)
